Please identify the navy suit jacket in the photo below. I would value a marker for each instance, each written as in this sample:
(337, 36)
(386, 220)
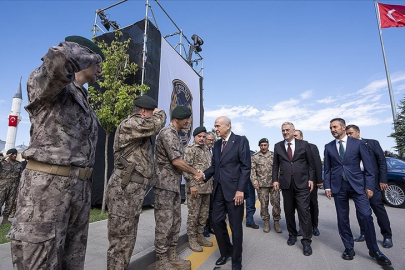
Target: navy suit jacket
(302, 165)
(356, 150)
(378, 161)
(232, 166)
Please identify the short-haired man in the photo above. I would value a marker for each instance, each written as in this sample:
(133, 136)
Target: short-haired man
(261, 173)
(133, 170)
(169, 166)
(209, 227)
(10, 172)
(344, 179)
(381, 183)
(52, 219)
(293, 173)
(318, 182)
(198, 193)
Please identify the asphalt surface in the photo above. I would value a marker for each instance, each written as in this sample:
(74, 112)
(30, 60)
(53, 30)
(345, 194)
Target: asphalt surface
(261, 250)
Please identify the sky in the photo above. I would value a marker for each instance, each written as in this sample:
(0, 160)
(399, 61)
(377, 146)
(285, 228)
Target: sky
(265, 62)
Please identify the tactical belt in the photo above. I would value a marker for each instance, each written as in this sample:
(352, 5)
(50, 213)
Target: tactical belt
(134, 177)
(84, 173)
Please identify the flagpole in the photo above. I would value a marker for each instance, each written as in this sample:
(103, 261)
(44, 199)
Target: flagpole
(393, 107)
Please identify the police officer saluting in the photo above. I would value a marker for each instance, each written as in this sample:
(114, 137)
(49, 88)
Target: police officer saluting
(50, 227)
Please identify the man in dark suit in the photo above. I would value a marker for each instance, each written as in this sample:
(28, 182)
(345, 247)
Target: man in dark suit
(293, 171)
(381, 183)
(344, 178)
(318, 182)
(231, 170)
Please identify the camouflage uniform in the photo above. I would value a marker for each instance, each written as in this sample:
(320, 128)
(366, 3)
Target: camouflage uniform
(198, 157)
(167, 189)
(132, 141)
(51, 223)
(261, 174)
(10, 173)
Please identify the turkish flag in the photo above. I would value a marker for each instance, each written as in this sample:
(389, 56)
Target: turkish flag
(391, 15)
(12, 120)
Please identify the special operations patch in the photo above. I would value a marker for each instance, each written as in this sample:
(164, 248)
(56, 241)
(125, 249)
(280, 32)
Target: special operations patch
(181, 95)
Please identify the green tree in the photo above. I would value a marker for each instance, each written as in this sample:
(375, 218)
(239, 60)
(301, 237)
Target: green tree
(399, 129)
(112, 99)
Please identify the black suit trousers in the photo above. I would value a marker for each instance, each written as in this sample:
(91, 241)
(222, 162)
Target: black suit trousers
(314, 207)
(298, 198)
(383, 221)
(221, 207)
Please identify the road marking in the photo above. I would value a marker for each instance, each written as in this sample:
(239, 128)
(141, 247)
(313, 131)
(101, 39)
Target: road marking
(198, 258)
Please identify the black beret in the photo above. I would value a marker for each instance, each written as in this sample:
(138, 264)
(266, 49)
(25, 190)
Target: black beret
(181, 112)
(264, 140)
(199, 130)
(145, 102)
(11, 151)
(1, 155)
(86, 43)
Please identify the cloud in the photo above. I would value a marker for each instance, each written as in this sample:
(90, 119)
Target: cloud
(232, 112)
(307, 94)
(238, 128)
(365, 107)
(326, 100)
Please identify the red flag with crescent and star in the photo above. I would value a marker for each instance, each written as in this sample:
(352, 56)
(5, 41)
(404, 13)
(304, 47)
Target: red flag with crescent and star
(12, 120)
(391, 15)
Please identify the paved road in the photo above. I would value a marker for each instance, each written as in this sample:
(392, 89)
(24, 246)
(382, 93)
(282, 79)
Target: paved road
(270, 251)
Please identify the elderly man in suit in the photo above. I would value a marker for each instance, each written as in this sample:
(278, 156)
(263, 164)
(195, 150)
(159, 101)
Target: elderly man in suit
(344, 179)
(293, 171)
(231, 170)
(381, 183)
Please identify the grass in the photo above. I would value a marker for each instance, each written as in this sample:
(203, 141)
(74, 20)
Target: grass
(3, 232)
(95, 215)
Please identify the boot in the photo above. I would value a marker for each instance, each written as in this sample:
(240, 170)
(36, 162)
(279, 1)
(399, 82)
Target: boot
(5, 220)
(177, 262)
(277, 227)
(266, 228)
(162, 262)
(194, 245)
(204, 242)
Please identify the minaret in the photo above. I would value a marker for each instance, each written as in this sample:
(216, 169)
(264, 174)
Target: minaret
(14, 118)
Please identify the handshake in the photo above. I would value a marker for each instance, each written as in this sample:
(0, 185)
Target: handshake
(199, 176)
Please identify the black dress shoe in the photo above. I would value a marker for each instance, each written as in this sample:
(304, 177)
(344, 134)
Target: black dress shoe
(206, 232)
(253, 226)
(222, 260)
(387, 243)
(299, 233)
(307, 250)
(360, 238)
(315, 231)
(291, 240)
(348, 254)
(379, 257)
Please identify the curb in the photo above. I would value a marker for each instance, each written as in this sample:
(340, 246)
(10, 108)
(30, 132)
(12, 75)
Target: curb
(148, 256)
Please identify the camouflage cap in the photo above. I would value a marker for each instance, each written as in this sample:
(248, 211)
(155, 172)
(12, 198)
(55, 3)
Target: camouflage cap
(145, 102)
(199, 130)
(264, 140)
(11, 151)
(181, 112)
(86, 43)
